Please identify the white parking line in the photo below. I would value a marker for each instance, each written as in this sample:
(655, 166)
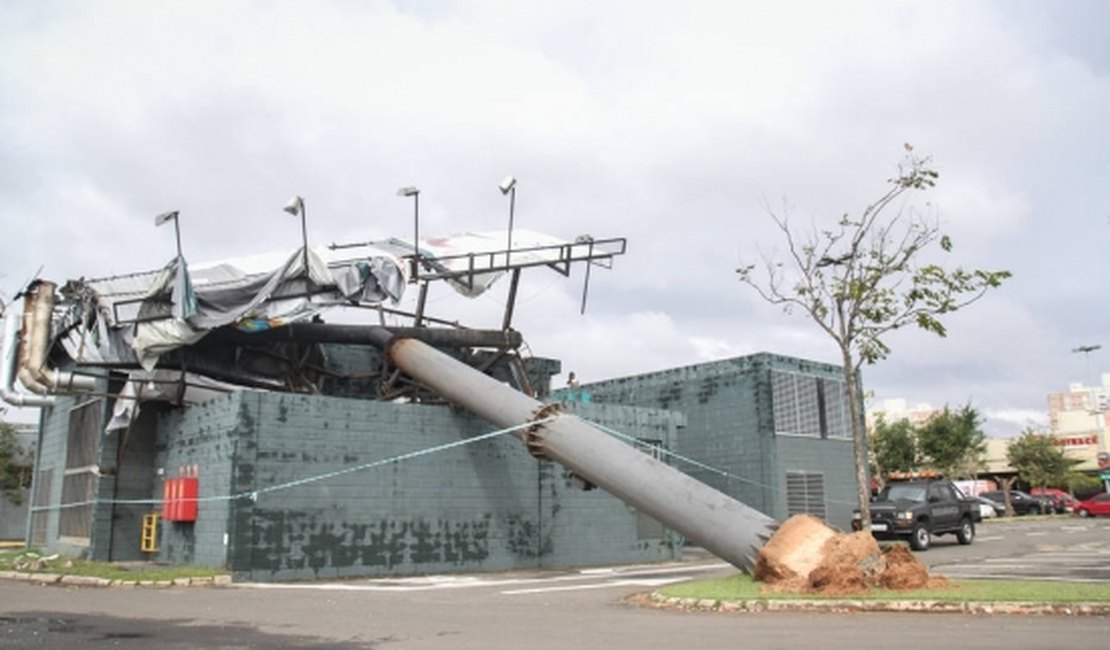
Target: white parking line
(428, 583)
(989, 538)
(658, 582)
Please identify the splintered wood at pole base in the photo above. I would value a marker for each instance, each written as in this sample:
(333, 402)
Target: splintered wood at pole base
(806, 555)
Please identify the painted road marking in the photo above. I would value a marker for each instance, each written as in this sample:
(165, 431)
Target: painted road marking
(635, 574)
(658, 582)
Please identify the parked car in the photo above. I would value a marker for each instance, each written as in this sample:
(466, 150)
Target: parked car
(1099, 504)
(918, 510)
(1061, 501)
(988, 508)
(1023, 504)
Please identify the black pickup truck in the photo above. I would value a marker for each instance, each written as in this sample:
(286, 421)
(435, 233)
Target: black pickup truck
(917, 510)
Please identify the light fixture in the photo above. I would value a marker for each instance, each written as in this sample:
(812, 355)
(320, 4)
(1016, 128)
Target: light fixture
(414, 192)
(507, 184)
(295, 207)
(168, 216)
(164, 217)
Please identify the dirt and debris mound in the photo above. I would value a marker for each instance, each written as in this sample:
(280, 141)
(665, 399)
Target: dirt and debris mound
(807, 556)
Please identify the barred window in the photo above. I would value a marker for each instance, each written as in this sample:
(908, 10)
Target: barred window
(796, 405)
(809, 406)
(43, 487)
(837, 418)
(805, 493)
(79, 480)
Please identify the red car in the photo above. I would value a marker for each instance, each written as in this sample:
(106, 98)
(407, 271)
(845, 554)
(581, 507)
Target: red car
(1099, 504)
(1061, 501)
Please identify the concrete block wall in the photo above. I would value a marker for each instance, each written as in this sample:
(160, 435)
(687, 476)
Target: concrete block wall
(129, 476)
(210, 436)
(54, 423)
(730, 425)
(467, 508)
(485, 506)
(834, 459)
(50, 461)
(592, 527)
(479, 507)
(726, 423)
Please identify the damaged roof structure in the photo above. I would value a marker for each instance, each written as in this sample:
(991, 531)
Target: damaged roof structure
(208, 414)
(180, 322)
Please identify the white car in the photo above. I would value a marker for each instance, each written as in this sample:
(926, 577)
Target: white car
(987, 508)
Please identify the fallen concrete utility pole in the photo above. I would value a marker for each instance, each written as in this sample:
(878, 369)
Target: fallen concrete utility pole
(716, 522)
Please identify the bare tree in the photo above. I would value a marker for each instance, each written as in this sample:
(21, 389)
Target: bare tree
(862, 279)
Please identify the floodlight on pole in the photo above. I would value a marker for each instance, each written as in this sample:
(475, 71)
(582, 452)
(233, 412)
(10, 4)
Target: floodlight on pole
(1086, 351)
(1092, 408)
(295, 207)
(508, 186)
(414, 192)
(170, 216)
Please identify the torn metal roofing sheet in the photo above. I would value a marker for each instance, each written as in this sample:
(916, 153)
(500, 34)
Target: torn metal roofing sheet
(135, 318)
(141, 316)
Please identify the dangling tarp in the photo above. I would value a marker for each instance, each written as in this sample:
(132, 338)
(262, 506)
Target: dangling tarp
(161, 385)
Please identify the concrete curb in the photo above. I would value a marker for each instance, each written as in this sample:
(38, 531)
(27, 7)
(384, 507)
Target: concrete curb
(90, 581)
(899, 606)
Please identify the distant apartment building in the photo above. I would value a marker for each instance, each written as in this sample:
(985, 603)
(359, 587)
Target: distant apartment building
(893, 410)
(1079, 419)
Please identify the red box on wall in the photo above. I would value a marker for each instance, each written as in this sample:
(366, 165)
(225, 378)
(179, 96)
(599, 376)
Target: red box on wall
(169, 500)
(187, 499)
(179, 499)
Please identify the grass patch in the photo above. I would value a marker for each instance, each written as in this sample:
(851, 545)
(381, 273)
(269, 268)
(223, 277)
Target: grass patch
(741, 587)
(64, 565)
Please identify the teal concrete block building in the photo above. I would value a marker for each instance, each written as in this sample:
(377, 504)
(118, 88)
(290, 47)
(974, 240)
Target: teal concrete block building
(294, 486)
(768, 430)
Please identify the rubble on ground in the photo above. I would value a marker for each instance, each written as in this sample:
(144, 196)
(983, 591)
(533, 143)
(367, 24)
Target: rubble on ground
(31, 561)
(807, 556)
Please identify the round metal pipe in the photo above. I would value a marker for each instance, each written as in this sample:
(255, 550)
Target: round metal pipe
(722, 525)
(8, 361)
(364, 335)
(34, 373)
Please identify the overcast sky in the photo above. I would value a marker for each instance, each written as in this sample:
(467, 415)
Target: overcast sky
(674, 124)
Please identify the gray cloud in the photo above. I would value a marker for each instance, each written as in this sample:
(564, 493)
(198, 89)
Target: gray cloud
(674, 126)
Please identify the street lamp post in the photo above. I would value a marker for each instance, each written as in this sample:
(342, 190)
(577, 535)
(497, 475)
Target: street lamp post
(184, 302)
(508, 186)
(1086, 350)
(170, 216)
(295, 207)
(415, 194)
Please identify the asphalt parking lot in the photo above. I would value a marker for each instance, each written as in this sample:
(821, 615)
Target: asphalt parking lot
(573, 608)
(1047, 548)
